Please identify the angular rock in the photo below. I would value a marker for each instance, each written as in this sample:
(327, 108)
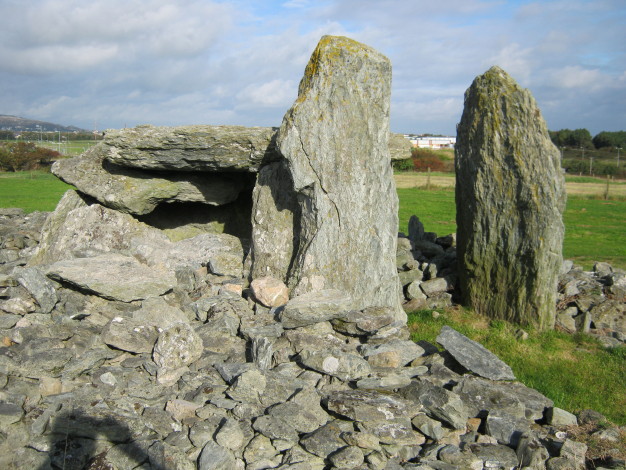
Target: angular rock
(364, 322)
(130, 335)
(483, 396)
(324, 441)
(558, 417)
(510, 200)
(315, 307)
(215, 457)
(270, 291)
(135, 192)
(360, 405)
(438, 403)
(474, 356)
(383, 355)
(177, 347)
(113, 277)
(39, 286)
(507, 429)
(340, 167)
(337, 363)
(274, 211)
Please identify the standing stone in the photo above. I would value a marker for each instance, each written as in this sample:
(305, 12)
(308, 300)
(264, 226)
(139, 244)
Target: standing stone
(334, 141)
(510, 198)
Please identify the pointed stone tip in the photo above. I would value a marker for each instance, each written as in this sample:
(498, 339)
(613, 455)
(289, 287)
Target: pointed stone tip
(497, 72)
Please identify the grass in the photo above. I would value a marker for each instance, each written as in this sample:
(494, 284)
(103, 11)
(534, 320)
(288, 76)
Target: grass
(72, 148)
(574, 371)
(31, 190)
(595, 230)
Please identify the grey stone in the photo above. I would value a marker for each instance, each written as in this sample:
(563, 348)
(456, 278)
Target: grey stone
(361, 405)
(510, 200)
(303, 419)
(438, 403)
(324, 441)
(130, 335)
(384, 382)
(558, 417)
(497, 457)
(248, 387)
(574, 452)
(473, 356)
(262, 352)
(135, 192)
(275, 428)
(274, 212)
(176, 347)
(364, 322)
(230, 435)
(507, 429)
(113, 276)
(406, 351)
(429, 427)
(354, 248)
(335, 362)
(215, 457)
(531, 453)
(434, 286)
(9, 413)
(76, 229)
(315, 307)
(261, 454)
(482, 396)
(414, 291)
(191, 148)
(347, 458)
(39, 286)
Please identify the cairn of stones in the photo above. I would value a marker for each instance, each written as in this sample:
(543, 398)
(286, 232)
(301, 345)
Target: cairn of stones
(510, 196)
(190, 306)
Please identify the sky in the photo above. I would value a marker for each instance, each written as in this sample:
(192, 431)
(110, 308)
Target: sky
(121, 63)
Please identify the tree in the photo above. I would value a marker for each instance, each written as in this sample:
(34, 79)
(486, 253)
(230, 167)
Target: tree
(610, 139)
(568, 138)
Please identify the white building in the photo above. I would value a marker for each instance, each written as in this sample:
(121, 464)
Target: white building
(433, 142)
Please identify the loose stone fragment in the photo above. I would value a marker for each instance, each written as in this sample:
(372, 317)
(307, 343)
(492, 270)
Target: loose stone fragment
(215, 457)
(176, 347)
(39, 287)
(510, 200)
(345, 366)
(270, 291)
(474, 356)
(315, 307)
(438, 403)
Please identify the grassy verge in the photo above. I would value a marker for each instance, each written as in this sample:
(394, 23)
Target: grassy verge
(31, 190)
(573, 370)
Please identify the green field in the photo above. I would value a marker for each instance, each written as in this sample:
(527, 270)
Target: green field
(595, 230)
(573, 370)
(70, 149)
(31, 190)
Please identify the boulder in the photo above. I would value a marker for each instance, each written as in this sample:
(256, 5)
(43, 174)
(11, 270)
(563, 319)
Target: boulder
(315, 307)
(335, 142)
(510, 200)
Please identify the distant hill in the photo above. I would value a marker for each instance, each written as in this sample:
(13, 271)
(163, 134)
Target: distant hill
(18, 124)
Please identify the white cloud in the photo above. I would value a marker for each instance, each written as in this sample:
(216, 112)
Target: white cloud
(276, 93)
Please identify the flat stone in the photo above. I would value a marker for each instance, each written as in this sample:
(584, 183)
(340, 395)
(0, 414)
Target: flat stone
(135, 192)
(558, 417)
(113, 277)
(361, 405)
(215, 457)
(406, 351)
(130, 335)
(364, 322)
(473, 356)
(438, 403)
(345, 366)
(315, 307)
(176, 347)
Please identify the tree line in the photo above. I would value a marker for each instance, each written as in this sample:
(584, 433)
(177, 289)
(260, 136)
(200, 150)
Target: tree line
(581, 138)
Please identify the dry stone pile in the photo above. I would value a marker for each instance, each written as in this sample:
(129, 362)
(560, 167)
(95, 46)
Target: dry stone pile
(137, 334)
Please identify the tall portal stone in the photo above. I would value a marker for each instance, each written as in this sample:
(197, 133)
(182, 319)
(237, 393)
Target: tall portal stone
(510, 198)
(334, 142)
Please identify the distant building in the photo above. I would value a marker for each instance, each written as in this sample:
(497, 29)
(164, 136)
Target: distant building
(433, 142)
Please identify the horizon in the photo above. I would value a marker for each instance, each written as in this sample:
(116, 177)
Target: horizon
(239, 62)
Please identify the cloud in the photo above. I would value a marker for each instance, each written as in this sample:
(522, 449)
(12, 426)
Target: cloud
(239, 62)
